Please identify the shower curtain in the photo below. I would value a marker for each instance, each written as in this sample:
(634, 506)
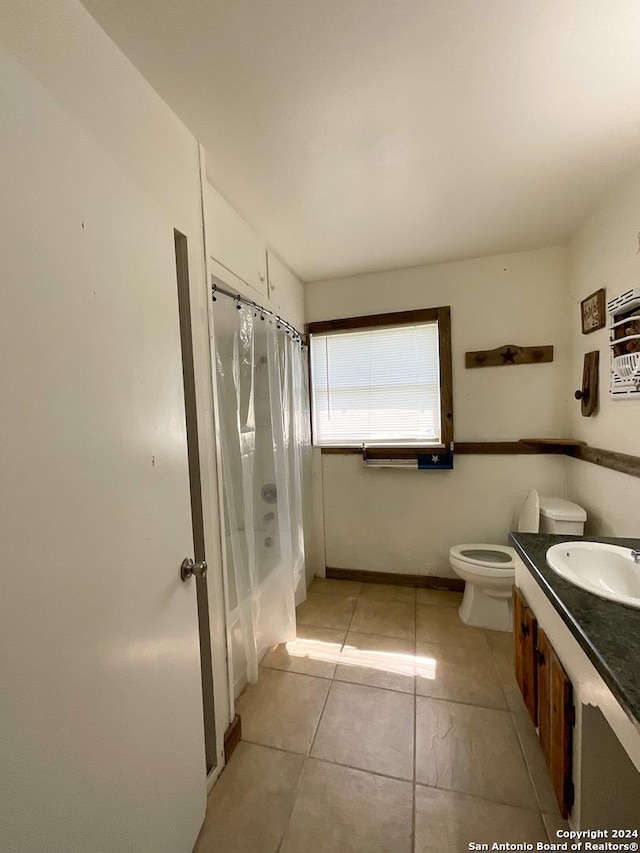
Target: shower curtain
(265, 442)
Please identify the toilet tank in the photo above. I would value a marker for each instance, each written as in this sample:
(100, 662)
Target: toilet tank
(558, 515)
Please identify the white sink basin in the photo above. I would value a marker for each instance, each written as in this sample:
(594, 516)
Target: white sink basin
(606, 570)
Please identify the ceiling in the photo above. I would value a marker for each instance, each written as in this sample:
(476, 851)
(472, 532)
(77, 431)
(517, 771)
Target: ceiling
(360, 135)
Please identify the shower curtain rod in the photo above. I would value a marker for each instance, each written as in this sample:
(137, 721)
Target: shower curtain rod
(241, 300)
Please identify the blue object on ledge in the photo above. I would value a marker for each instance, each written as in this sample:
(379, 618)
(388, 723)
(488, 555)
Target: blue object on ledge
(439, 460)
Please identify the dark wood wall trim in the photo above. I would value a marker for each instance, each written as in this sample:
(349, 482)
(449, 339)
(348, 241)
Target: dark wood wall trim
(372, 321)
(232, 737)
(625, 463)
(476, 448)
(422, 581)
(508, 448)
(446, 375)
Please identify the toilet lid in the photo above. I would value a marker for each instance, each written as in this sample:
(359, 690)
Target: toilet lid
(487, 556)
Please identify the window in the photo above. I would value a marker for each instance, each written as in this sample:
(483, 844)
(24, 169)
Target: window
(382, 380)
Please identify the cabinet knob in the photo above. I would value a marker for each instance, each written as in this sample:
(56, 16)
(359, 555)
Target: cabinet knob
(581, 395)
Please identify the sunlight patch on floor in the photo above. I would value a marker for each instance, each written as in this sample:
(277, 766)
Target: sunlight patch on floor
(393, 662)
(315, 649)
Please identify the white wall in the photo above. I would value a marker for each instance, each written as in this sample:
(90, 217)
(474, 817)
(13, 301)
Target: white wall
(405, 521)
(604, 253)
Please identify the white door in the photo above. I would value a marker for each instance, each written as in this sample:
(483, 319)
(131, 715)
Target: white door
(101, 730)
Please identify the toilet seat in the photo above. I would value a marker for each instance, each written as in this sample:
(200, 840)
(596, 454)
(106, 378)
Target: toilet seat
(487, 560)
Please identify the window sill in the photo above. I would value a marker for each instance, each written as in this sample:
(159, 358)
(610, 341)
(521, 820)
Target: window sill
(385, 451)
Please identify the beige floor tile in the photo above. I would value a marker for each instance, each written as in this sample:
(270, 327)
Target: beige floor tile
(330, 586)
(501, 644)
(459, 674)
(326, 611)
(471, 750)
(553, 824)
(388, 592)
(502, 648)
(511, 689)
(377, 662)
(533, 754)
(385, 618)
(443, 625)
(439, 597)
(367, 728)
(249, 806)
(315, 651)
(282, 709)
(447, 822)
(339, 810)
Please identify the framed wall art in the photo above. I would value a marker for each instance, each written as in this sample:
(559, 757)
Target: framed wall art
(593, 312)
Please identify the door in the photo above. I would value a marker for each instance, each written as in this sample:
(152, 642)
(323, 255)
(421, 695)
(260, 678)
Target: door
(197, 511)
(101, 722)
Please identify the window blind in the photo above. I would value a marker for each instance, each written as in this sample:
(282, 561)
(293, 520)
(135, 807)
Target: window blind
(376, 386)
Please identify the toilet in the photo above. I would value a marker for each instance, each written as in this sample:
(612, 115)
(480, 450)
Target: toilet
(489, 570)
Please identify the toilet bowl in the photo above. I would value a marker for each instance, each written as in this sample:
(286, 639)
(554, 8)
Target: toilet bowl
(489, 570)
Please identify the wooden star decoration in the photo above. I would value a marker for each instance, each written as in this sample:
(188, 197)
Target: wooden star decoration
(509, 354)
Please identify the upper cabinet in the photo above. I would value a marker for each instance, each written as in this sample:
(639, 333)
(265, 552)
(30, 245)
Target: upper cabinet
(285, 292)
(235, 245)
(239, 258)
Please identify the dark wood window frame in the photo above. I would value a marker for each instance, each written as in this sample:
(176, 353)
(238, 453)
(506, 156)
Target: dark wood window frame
(442, 316)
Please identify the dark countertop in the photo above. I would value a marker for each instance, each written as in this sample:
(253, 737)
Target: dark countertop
(608, 632)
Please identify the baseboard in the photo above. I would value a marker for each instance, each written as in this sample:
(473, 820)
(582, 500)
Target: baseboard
(426, 581)
(232, 737)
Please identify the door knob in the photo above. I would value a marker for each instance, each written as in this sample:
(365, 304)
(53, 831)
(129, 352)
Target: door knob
(189, 569)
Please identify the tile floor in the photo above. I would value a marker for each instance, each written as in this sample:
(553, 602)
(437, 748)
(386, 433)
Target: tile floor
(388, 726)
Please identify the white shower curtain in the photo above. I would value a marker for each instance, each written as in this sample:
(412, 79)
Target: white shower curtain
(264, 425)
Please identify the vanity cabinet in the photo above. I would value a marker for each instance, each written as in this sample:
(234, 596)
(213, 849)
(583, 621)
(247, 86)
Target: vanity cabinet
(548, 695)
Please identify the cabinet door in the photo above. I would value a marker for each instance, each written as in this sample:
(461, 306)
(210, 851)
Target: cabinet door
(285, 292)
(555, 721)
(544, 653)
(524, 632)
(562, 717)
(233, 243)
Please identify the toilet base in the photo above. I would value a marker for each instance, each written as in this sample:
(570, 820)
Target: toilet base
(486, 611)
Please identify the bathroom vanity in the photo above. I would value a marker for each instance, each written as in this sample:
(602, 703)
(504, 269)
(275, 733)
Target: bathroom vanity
(578, 668)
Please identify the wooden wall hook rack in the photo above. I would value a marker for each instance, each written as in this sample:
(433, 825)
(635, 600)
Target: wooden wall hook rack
(508, 354)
